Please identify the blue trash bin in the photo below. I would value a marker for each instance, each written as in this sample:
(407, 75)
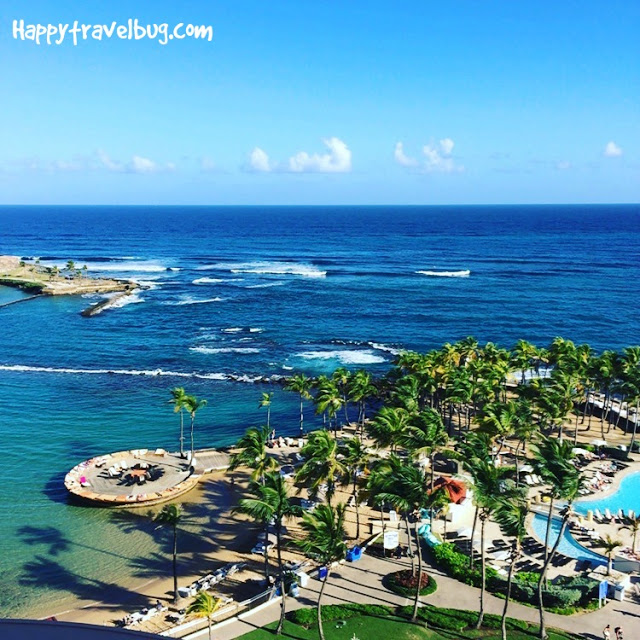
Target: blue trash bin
(322, 573)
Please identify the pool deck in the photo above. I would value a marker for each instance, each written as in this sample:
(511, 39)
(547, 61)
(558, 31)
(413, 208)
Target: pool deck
(166, 476)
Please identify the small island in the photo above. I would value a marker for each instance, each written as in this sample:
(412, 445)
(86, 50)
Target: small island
(39, 279)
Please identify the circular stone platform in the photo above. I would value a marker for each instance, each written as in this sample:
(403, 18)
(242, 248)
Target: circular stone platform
(114, 479)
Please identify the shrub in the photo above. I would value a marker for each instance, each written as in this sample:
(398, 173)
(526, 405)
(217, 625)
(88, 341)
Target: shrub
(527, 577)
(404, 583)
(458, 620)
(456, 564)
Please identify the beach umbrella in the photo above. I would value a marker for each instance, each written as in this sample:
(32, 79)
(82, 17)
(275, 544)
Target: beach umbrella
(466, 533)
(526, 468)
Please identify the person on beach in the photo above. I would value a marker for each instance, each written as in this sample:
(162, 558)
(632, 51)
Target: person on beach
(618, 632)
(606, 632)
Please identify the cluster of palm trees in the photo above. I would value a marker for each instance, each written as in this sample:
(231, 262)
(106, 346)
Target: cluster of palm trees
(182, 402)
(467, 402)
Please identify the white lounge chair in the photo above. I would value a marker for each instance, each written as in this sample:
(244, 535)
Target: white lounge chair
(607, 514)
(597, 515)
(529, 480)
(632, 514)
(620, 515)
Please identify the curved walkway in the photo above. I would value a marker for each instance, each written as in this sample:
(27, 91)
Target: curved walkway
(361, 582)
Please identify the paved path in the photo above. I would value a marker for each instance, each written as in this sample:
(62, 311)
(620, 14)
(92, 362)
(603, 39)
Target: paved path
(362, 582)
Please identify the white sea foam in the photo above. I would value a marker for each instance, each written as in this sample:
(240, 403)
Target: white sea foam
(207, 280)
(255, 330)
(446, 274)
(272, 268)
(134, 266)
(344, 356)
(19, 368)
(383, 347)
(264, 285)
(203, 349)
(191, 300)
(232, 330)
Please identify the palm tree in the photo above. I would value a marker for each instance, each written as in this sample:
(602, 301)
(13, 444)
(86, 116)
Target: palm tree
(193, 405)
(341, 377)
(489, 483)
(438, 501)
(178, 397)
(407, 490)
(633, 527)
(300, 384)
(253, 454)
(609, 547)
(569, 482)
(360, 389)
(170, 516)
(204, 605)
(511, 515)
(328, 400)
(355, 460)
(323, 463)
(265, 401)
(388, 425)
(272, 504)
(324, 540)
(425, 435)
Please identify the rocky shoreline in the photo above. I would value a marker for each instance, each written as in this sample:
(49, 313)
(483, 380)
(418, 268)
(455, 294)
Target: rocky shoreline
(38, 279)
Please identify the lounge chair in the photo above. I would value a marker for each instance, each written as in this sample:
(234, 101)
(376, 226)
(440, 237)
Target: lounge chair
(607, 515)
(631, 514)
(620, 515)
(529, 480)
(597, 515)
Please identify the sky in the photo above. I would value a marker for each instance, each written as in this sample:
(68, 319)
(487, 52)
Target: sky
(323, 102)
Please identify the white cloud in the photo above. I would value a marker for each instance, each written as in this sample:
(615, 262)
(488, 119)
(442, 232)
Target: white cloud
(338, 160)
(402, 159)
(107, 162)
(259, 161)
(563, 165)
(137, 164)
(437, 158)
(612, 150)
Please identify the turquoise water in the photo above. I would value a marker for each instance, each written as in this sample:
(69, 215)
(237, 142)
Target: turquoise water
(626, 497)
(256, 293)
(568, 545)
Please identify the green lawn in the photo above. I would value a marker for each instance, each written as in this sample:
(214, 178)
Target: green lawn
(372, 628)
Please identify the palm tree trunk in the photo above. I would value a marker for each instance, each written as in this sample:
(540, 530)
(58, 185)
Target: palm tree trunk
(324, 583)
(357, 506)
(409, 545)
(548, 532)
(481, 613)
(414, 616)
(181, 433)
(635, 427)
(301, 418)
(514, 559)
(268, 416)
(473, 533)
(543, 576)
(282, 589)
(193, 419)
(266, 552)
(175, 563)
(209, 621)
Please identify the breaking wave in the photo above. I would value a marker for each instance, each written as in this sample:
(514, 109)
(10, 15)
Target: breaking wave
(246, 350)
(231, 377)
(207, 280)
(446, 274)
(191, 300)
(264, 285)
(343, 356)
(270, 268)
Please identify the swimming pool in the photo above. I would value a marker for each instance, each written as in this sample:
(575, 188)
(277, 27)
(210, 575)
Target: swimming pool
(626, 497)
(568, 546)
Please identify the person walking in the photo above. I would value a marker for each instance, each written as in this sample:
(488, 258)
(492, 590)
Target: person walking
(618, 632)
(606, 632)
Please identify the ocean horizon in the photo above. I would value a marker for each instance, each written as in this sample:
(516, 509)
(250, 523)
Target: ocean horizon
(233, 298)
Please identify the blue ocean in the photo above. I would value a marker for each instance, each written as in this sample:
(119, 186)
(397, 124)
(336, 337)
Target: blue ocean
(235, 298)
